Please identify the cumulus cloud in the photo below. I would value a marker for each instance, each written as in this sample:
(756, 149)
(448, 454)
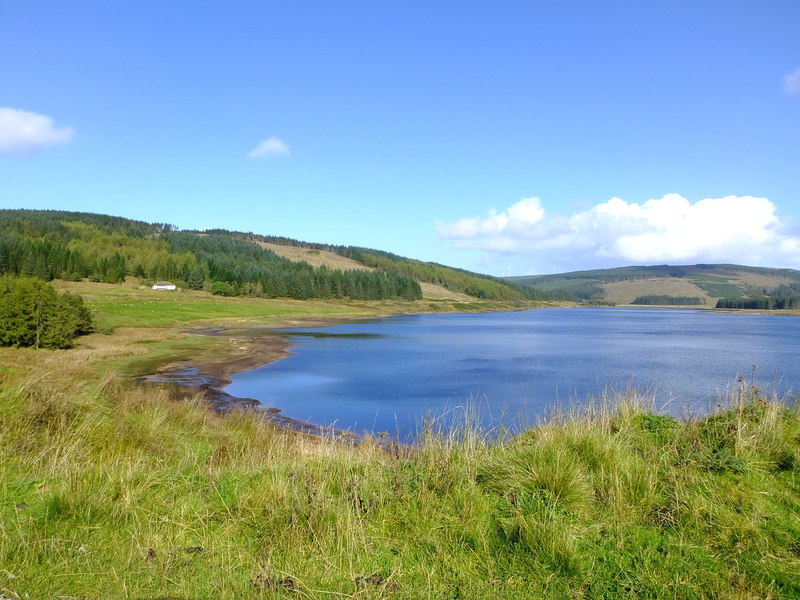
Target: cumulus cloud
(791, 83)
(498, 230)
(23, 131)
(272, 147)
(742, 229)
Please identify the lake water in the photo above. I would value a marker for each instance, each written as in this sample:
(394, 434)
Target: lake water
(387, 374)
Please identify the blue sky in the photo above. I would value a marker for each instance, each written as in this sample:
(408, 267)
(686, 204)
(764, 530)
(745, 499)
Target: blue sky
(502, 137)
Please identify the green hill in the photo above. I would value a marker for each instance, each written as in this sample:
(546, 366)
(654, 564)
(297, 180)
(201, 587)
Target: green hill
(77, 246)
(723, 285)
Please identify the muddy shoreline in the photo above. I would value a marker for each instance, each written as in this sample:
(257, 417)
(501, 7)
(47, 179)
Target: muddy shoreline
(247, 349)
(250, 347)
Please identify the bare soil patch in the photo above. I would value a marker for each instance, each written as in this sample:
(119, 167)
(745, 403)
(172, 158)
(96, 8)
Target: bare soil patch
(758, 280)
(316, 258)
(431, 291)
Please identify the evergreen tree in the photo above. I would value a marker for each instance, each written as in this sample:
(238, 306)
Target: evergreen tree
(33, 314)
(195, 279)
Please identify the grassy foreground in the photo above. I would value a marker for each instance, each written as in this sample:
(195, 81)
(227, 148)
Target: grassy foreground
(108, 491)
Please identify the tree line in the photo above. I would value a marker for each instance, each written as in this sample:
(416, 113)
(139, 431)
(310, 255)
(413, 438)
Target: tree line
(780, 303)
(655, 299)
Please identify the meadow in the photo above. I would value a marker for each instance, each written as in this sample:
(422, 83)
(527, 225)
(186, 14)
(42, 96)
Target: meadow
(134, 305)
(110, 490)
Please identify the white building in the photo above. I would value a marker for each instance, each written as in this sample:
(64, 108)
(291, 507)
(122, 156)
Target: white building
(164, 285)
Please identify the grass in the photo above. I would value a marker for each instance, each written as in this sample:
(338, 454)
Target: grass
(127, 306)
(625, 292)
(153, 353)
(726, 291)
(166, 312)
(108, 491)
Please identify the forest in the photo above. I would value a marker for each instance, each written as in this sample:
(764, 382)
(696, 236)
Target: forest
(74, 246)
(661, 300)
(457, 280)
(765, 303)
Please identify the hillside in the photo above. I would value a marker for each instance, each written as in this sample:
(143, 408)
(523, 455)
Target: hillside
(82, 246)
(76, 246)
(454, 281)
(688, 285)
(332, 260)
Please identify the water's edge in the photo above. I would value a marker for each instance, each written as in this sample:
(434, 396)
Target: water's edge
(206, 377)
(256, 347)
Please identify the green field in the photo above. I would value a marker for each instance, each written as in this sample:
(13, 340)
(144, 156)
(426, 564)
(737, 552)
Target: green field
(130, 305)
(720, 290)
(159, 312)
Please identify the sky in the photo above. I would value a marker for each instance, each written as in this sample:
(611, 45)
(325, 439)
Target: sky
(504, 137)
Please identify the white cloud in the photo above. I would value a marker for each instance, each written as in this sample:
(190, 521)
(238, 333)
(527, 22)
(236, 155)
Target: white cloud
(23, 131)
(739, 229)
(272, 147)
(497, 231)
(791, 83)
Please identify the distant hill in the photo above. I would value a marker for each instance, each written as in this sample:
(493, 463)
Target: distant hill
(723, 285)
(75, 246)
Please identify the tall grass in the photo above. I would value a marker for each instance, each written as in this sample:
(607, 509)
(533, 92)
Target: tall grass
(112, 492)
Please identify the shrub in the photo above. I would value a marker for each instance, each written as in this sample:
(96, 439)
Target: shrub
(33, 314)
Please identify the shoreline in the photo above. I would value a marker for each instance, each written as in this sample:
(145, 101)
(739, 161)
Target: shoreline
(256, 345)
(251, 346)
(207, 375)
